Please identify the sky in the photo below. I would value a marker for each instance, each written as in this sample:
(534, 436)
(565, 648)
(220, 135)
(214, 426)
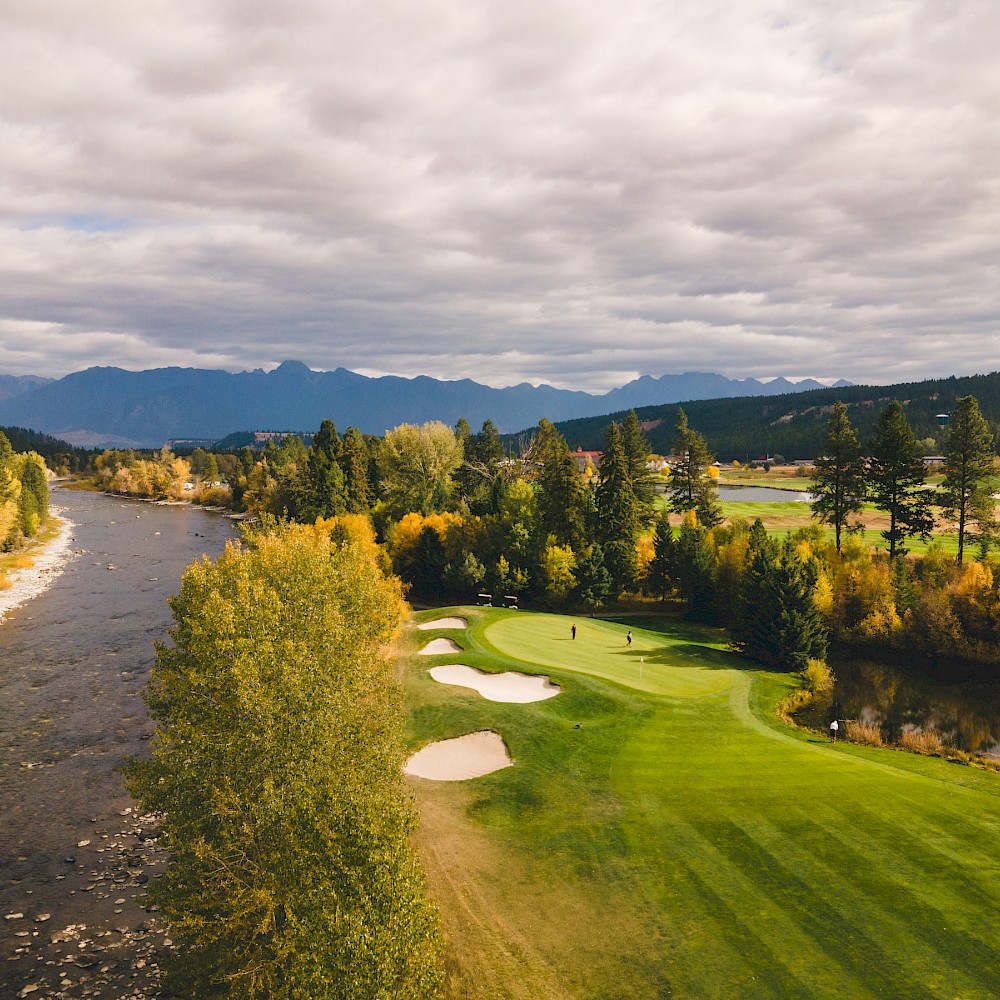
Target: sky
(529, 190)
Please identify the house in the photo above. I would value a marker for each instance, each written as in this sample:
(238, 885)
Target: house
(586, 459)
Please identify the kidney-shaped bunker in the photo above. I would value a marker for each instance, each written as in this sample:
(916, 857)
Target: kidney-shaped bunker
(466, 757)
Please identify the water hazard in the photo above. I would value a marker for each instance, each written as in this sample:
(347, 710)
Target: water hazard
(74, 858)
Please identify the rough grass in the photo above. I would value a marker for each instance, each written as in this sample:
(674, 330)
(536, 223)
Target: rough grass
(867, 733)
(664, 835)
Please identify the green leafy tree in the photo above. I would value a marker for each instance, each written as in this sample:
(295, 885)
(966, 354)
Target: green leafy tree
(969, 468)
(689, 487)
(896, 474)
(416, 465)
(617, 512)
(839, 480)
(277, 768)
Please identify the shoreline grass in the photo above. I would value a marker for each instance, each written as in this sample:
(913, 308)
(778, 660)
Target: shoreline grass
(667, 835)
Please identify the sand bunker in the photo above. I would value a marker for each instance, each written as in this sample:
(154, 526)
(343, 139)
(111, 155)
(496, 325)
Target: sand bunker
(510, 687)
(438, 646)
(460, 759)
(446, 623)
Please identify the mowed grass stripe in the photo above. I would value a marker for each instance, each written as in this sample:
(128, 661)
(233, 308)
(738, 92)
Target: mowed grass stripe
(744, 858)
(879, 893)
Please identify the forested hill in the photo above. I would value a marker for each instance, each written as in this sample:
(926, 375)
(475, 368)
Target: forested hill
(793, 425)
(58, 454)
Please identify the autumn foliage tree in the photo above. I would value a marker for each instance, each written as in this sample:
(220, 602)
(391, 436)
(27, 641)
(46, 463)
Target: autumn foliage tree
(277, 767)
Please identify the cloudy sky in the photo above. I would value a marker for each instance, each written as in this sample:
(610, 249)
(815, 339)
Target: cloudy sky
(541, 190)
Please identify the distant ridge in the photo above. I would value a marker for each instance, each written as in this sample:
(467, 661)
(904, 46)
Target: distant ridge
(144, 409)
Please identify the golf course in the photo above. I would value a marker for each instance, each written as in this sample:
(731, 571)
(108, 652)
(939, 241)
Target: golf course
(661, 833)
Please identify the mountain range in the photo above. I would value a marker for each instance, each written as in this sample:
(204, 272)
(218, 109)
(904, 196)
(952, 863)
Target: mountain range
(111, 407)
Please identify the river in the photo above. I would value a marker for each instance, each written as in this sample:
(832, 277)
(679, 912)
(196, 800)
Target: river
(74, 856)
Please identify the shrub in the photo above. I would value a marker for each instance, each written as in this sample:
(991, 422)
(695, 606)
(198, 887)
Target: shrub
(926, 741)
(818, 677)
(868, 733)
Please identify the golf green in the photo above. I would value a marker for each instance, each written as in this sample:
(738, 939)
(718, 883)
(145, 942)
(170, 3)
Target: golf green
(664, 834)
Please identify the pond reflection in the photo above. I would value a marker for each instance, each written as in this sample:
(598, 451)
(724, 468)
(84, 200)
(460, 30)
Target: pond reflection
(965, 714)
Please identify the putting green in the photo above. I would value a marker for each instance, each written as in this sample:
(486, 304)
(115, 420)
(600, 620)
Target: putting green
(670, 838)
(670, 666)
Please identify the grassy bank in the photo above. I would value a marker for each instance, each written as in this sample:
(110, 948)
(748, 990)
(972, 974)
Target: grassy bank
(662, 834)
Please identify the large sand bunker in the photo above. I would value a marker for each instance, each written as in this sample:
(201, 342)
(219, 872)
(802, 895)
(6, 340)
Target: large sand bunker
(460, 759)
(438, 646)
(510, 686)
(446, 623)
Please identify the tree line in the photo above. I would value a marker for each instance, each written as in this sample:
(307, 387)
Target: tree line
(24, 495)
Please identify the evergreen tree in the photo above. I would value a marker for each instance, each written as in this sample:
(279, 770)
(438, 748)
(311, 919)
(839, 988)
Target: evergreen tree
(321, 491)
(690, 488)
(643, 477)
(659, 573)
(693, 569)
(969, 468)
(839, 480)
(354, 462)
(483, 476)
(617, 512)
(558, 487)
(593, 579)
(896, 476)
(777, 621)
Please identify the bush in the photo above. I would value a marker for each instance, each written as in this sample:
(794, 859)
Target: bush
(926, 741)
(867, 733)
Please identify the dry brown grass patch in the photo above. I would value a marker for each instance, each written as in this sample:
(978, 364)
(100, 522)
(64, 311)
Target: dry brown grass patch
(867, 733)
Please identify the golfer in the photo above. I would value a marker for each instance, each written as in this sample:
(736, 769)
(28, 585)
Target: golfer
(628, 639)
(834, 727)
(572, 629)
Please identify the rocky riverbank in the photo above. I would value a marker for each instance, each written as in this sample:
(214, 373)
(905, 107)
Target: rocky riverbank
(47, 562)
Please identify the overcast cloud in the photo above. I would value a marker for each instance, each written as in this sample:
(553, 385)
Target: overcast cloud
(529, 190)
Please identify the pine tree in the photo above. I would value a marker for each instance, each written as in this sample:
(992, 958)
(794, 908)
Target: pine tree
(659, 573)
(777, 621)
(896, 474)
(969, 467)
(593, 579)
(693, 569)
(354, 462)
(643, 478)
(839, 481)
(321, 491)
(558, 487)
(617, 512)
(690, 488)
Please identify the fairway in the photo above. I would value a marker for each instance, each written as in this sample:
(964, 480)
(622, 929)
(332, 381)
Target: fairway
(666, 836)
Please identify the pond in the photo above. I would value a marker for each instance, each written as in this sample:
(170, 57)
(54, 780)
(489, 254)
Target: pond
(965, 714)
(762, 494)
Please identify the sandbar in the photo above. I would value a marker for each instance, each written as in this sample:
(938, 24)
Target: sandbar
(438, 646)
(445, 623)
(511, 686)
(46, 565)
(459, 759)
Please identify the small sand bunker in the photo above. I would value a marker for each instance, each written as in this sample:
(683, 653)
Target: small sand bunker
(460, 759)
(510, 687)
(438, 646)
(446, 623)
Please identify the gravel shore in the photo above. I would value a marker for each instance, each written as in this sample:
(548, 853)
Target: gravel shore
(47, 564)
